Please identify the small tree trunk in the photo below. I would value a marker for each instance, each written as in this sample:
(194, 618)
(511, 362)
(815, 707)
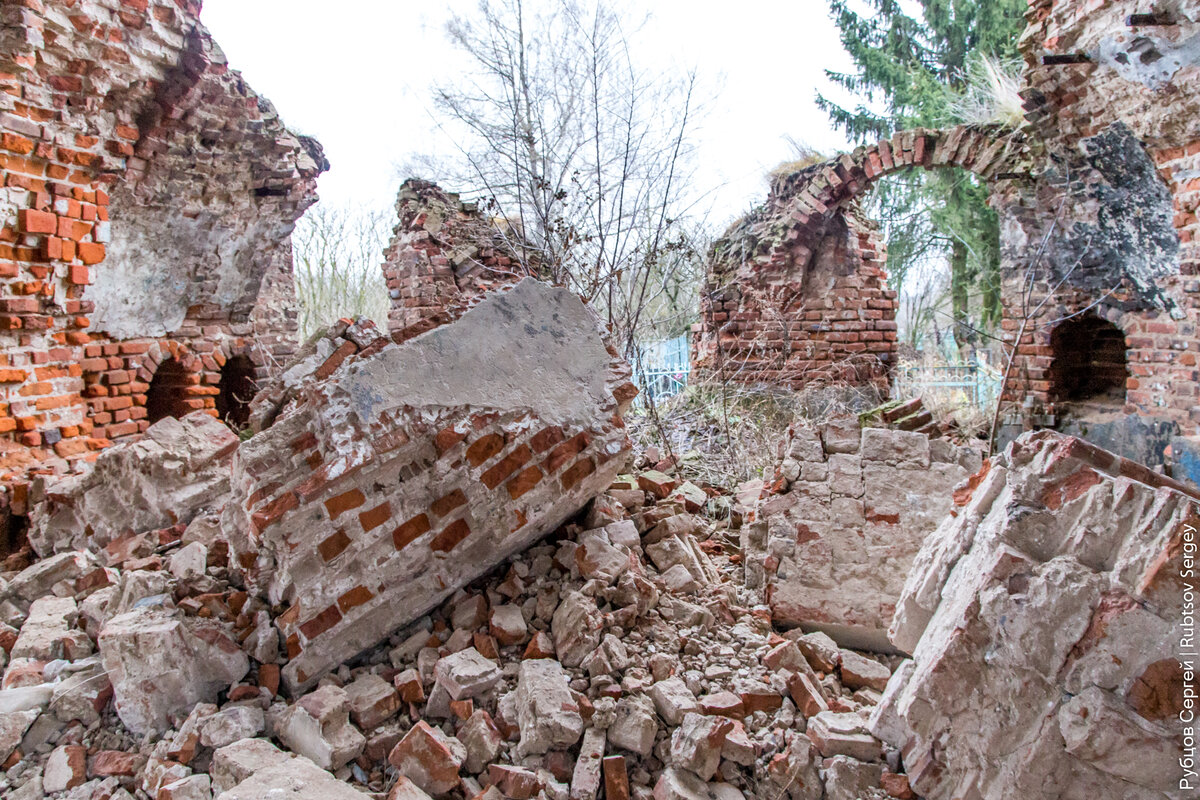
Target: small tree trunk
(960, 285)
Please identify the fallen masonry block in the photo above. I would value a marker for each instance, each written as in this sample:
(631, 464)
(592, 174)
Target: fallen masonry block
(49, 632)
(466, 674)
(1044, 622)
(179, 468)
(548, 714)
(429, 758)
(372, 701)
(161, 663)
(841, 535)
(254, 769)
(409, 470)
(696, 744)
(318, 727)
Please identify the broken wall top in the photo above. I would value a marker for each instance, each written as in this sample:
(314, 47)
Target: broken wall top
(149, 199)
(445, 256)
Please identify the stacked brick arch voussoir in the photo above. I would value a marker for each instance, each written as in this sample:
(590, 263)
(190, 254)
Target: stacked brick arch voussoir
(797, 291)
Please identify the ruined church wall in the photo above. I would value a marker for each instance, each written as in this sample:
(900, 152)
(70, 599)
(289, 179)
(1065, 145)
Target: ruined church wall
(769, 314)
(148, 201)
(1116, 106)
(444, 257)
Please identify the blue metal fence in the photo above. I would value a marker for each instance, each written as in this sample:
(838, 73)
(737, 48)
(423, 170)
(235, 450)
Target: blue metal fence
(978, 383)
(662, 368)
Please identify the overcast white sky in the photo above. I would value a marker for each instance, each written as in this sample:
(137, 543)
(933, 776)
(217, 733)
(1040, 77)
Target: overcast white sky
(358, 75)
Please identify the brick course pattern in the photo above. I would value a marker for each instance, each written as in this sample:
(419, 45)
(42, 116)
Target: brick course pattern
(395, 474)
(1140, 268)
(843, 519)
(150, 196)
(797, 292)
(444, 257)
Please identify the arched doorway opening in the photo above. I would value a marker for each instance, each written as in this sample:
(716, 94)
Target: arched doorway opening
(1089, 361)
(167, 395)
(236, 389)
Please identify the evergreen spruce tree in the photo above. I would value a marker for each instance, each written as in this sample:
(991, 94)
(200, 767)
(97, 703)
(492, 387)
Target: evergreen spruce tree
(911, 71)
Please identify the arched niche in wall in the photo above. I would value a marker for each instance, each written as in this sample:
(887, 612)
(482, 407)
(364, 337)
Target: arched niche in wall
(167, 395)
(1089, 361)
(236, 389)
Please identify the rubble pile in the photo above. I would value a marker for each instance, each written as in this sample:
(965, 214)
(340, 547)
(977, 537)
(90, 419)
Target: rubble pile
(623, 651)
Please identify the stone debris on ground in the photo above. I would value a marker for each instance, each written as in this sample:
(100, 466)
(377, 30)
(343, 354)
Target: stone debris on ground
(578, 667)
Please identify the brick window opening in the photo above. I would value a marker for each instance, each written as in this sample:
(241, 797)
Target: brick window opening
(14, 543)
(237, 388)
(167, 395)
(1089, 361)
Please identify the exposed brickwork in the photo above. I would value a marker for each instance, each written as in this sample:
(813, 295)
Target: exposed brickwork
(443, 257)
(797, 291)
(1076, 108)
(392, 502)
(149, 197)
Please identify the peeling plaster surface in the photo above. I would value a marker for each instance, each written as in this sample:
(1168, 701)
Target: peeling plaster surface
(560, 355)
(1148, 60)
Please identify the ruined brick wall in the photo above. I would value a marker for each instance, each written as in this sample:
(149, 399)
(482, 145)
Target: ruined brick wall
(797, 291)
(444, 257)
(1114, 97)
(149, 198)
(846, 513)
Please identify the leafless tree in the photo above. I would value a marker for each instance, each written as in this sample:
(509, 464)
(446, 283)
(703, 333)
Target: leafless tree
(582, 151)
(337, 253)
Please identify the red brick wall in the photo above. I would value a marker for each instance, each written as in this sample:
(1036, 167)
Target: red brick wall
(114, 105)
(443, 258)
(1065, 104)
(797, 291)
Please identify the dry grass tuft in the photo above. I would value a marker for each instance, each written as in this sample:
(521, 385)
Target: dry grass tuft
(724, 435)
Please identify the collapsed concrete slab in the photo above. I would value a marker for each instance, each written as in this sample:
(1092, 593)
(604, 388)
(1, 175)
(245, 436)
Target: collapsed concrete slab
(1044, 620)
(166, 478)
(853, 508)
(394, 474)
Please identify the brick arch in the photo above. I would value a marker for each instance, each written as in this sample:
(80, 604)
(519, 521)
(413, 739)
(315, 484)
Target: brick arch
(192, 392)
(797, 292)
(231, 403)
(1036, 369)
